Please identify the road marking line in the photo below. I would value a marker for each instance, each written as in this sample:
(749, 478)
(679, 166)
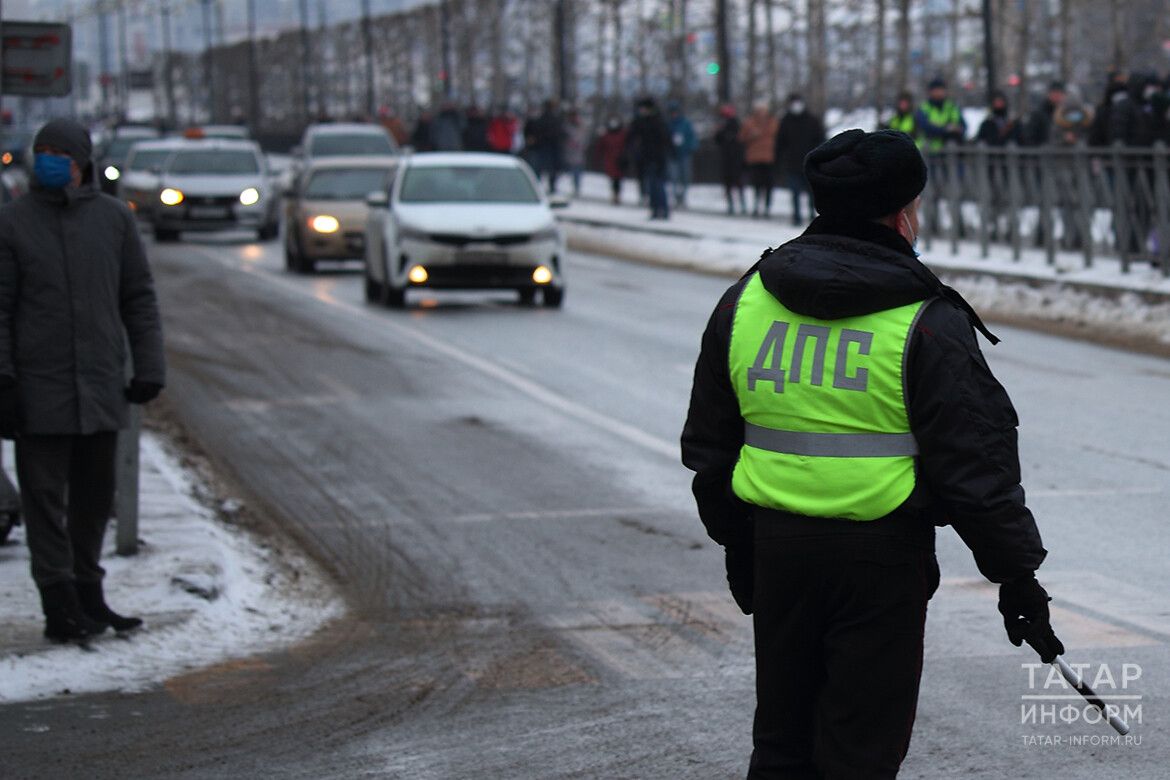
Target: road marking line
(537, 392)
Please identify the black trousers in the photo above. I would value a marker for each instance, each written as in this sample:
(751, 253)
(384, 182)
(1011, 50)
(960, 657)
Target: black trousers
(839, 624)
(66, 493)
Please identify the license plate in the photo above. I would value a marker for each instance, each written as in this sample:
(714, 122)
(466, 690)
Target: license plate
(208, 212)
(481, 258)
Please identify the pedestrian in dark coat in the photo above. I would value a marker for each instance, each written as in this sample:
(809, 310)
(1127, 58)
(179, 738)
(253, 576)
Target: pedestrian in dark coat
(611, 148)
(475, 131)
(547, 133)
(731, 159)
(998, 128)
(447, 129)
(75, 289)
(420, 137)
(649, 142)
(800, 132)
(786, 452)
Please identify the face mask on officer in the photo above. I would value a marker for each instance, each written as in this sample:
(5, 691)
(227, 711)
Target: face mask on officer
(53, 171)
(910, 236)
(796, 107)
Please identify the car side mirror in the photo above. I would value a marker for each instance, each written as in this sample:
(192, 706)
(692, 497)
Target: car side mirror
(378, 200)
(558, 202)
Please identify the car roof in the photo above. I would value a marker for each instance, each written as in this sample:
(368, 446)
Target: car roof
(135, 131)
(156, 144)
(482, 159)
(353, 161)
(225, 144)
(346, 128)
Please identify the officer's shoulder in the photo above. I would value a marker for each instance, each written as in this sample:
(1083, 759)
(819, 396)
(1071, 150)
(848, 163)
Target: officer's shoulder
(945, 320)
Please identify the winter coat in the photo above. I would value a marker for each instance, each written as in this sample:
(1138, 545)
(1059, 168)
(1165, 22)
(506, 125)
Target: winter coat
(611, 148)
(758, 136)
(968, 471)
(74, 285)
(682, 137)
(475, 134)
(1038, 129)
(730, 149)
(1074, 122)
(998, 131)
(575, 142)
(447, 131)
(648, 143)
(798, 135)
(501, 133)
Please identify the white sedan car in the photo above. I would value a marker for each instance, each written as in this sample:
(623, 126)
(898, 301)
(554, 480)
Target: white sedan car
(464, 221)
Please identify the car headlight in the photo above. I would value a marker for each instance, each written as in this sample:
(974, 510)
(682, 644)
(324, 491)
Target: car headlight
(550, 233)
(407, 233)
(112, 173)
(324, 223)
(171, 197)
(250, 196)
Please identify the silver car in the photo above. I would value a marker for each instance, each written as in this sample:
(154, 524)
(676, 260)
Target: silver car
(216, 184)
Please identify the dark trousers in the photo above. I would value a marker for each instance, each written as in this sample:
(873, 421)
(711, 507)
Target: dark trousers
(798, 186)
(656, 190)
(762, 179)
(839, 628)
(66, 493)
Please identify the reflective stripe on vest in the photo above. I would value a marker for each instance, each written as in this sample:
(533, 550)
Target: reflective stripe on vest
(906, 124)
(826, 430)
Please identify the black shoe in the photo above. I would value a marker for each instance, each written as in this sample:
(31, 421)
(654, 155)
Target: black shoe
(64, 619)
(93, 603)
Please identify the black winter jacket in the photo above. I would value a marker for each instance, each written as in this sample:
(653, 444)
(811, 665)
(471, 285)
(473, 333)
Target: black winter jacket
(968, 466)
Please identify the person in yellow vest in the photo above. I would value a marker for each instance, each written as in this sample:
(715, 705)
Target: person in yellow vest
(842, 409)
(939, 119)
(905, 118)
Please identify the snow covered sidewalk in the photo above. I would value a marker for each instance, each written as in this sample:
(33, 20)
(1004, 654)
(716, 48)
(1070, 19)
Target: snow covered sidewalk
(208, 592)
(703, 238)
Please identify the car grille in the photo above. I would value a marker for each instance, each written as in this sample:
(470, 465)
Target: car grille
(454, 239)
(211, 200)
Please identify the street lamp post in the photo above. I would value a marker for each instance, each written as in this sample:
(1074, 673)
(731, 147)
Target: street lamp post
(988, 50)
(208, 65)
(253, 87)
(168, 75)
(304, 8)
(368, 40)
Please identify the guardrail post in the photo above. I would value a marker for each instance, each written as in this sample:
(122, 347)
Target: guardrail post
(1048, 199)
(1121, 222)
(983, 197)
(1086, 199)
(1015, 197)
(1162, 206)
(126, 495)
(954, 194)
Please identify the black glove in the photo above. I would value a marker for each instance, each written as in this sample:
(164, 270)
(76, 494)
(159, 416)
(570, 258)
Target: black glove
(1024, 606)
(140, 392)
(9, 408)
(741, 574)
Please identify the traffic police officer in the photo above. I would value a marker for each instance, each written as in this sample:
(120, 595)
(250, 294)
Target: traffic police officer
(842, 409)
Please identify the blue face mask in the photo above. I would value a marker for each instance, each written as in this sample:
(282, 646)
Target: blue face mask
(914, 243)
(53, 171)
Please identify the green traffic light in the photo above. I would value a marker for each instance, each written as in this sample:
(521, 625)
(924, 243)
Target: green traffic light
(712, 68)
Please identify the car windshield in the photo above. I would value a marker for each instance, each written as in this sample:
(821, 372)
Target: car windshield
(334, 144)
(120, 146)
(215, 161)
(467, 184)
(345, 183)
(145, 159)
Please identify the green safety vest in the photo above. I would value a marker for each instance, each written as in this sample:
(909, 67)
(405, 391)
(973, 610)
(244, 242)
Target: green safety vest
(826, 430)
(907, 125)
(947, 114)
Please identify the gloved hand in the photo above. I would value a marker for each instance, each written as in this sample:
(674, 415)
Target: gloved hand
(741, 574)
(140, 392)
(1024, 606)
(9, 408)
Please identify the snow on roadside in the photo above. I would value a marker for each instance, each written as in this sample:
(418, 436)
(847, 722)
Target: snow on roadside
(208, 593)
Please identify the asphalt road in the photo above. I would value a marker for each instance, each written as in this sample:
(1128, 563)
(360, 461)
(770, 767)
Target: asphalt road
(496, 491)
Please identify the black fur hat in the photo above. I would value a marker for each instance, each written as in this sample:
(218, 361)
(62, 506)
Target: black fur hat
(863, 175)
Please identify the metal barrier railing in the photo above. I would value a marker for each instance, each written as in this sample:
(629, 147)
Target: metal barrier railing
(1096, 202)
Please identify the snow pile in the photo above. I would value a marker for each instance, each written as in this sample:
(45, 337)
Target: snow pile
(207, 591)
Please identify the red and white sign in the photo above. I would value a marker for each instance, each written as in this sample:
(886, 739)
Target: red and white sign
(38, 59)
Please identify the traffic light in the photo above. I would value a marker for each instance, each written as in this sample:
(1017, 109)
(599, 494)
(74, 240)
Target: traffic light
(712, 68)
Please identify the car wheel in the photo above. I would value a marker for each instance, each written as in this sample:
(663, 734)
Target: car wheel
(554, 297)
(394, 297)
(163, 236)
(268, 232)
(527, 296)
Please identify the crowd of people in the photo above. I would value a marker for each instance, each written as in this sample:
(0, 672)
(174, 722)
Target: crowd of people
(763, 149)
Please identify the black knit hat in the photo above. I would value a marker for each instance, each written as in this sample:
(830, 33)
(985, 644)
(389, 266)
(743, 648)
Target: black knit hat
(69, 136)
(865, 175)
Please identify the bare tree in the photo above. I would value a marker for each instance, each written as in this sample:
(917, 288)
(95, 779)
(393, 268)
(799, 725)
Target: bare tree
(817, 52)
(903, 73)
(751, 52)
(497, 11)
(770, 32)
(879, 70)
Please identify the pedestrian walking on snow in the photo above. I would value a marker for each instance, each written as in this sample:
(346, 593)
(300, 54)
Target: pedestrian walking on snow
(75, 289)
(758, 135)
(800, 132)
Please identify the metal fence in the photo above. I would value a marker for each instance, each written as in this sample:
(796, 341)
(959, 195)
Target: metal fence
(1095, 202)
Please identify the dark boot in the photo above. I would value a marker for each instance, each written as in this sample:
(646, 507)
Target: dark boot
(93, 603)
(64, 619)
